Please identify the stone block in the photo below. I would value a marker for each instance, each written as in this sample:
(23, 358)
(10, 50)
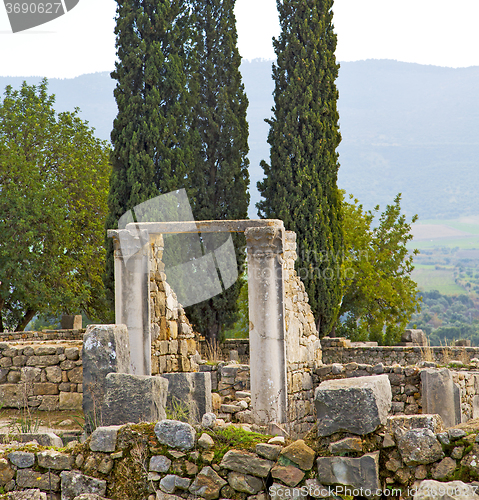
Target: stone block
(30, 494)
(300, 454)
(71, 322)
(346, 445)
(71, 401)
(416, 336)
(354, 472)
(104, 438)
(50, 403)
(76, 375)
(45, 388)
(246, 463)
(42, 438)
(73, 484)
(207, 484)
(192, 390)
(453, 490)
(398, 424)
(52, 459)
(133, 398)
(54, 374)
(22, 459)
(106, 349)
(339, 402)
(440, 395)
(419, 446)
(11, 395)
(175, 434)
(27, 478)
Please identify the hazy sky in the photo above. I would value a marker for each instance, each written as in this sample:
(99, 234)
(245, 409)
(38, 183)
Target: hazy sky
(438, 32)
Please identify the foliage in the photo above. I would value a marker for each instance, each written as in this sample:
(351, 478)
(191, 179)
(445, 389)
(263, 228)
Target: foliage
(240, 329)
(153, 141)
(53, 180)
(379, 296)
(300, 184)
(220, 178)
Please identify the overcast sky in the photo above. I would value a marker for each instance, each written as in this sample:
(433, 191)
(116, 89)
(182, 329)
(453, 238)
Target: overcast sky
(437, 32)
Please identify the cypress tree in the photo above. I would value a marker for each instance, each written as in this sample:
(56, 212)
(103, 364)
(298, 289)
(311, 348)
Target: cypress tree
(220, 179)
(153, 142)
(300, 184)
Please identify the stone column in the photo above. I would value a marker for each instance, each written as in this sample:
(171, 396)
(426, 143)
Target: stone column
(267, 324)
(132, 300)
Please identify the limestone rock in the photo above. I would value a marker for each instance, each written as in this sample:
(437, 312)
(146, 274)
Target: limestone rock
(31, 494)
(175, 434)
(73, 484)
(288, 474)
(269, 451)
(208, 420)
(454, 490)
(398, 424)
(133, 398)
(42, 438)
(90, 496)
(299, 453)
(71, 401)
(6, 472)
(245, 483)
(347, 445)
(445, 467)
(104, 438)
(159, 463)
(28, 478)
(22, 459)
(52, 459)
(278, 491)
(246, 463)
(339, 402)
(354, 472)
(419, 446)
(207, 484)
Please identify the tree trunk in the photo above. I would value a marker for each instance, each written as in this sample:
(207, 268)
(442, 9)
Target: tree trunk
(27, 317)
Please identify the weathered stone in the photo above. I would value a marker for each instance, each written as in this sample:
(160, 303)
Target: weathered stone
(454, 490)
(278, 491)
(104, 438)
(339, 402)
(440, 395)
(208, 420)
(398, 424)
(355, 472)
(52, 459)
(13, 377)
(72, 353)
(288, 474)
(205, 442)
(6, 472)
(106, 349)
(71, 322)
(133, 398)
(90, 496)
(28, 478)
(443, 438)
(71, 401)
(50, 403)
(175, 434)
(42, 438)
(74, 484)
(106, 465)
(43, 361)
(159, 463)
(388, 441)
(30, 494)
(22, 459)
(246, 463)
(269, 451)
(455, 434)
(419, 446)
(43, 350)
(45, 388)
(444, 468)
(207, 484)
(54, 374)
(168, 483)
(76, 375)
(346, 445)
(245, 483)
(299, 453)
(11, 395)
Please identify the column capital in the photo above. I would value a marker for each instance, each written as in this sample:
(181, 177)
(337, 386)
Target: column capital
(265, 241)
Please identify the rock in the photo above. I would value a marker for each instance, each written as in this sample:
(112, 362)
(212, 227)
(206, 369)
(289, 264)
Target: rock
(159, 463)
(269, 451)
(454, 490)
(339, 402)
(246, 463)
(133, 398)
(245, 483)
(205, 442)
(6, 472)
(42, 438)
(443, 438)
(106, 349)
(355, 472)
(398, 424)
(71, 400)
(440, 395)
(31, 494)
(288, 474)
(278, 491)
(300, 454)
(74, 484)
(346, 445)
(388, 441)
(276, 440)
(207, 484)
(419, 446)
(104, 438)
(22, 459)
(455, 434)
(90, 496)
(106, 465)
(175, 434)
(192, 390)
(208, 420)
(52, 459)
(167, 484)
(444, 468)
(28, 478)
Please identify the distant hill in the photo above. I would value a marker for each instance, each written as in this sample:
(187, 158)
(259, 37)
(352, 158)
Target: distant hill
(406, 128)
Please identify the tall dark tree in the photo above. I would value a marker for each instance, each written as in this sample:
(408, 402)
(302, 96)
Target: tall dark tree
(220, 179)
(300, 184)
(152, 136)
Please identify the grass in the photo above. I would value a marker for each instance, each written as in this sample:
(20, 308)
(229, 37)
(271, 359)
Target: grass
(428, 278)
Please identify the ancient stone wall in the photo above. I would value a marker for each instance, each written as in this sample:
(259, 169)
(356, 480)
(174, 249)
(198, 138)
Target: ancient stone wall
(44, 335)
(43, 375)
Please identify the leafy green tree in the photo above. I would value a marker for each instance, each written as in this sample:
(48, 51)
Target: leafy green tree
(54, 183)
(300, 185)
(220, 177)
(379, 296)
(153, 141)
